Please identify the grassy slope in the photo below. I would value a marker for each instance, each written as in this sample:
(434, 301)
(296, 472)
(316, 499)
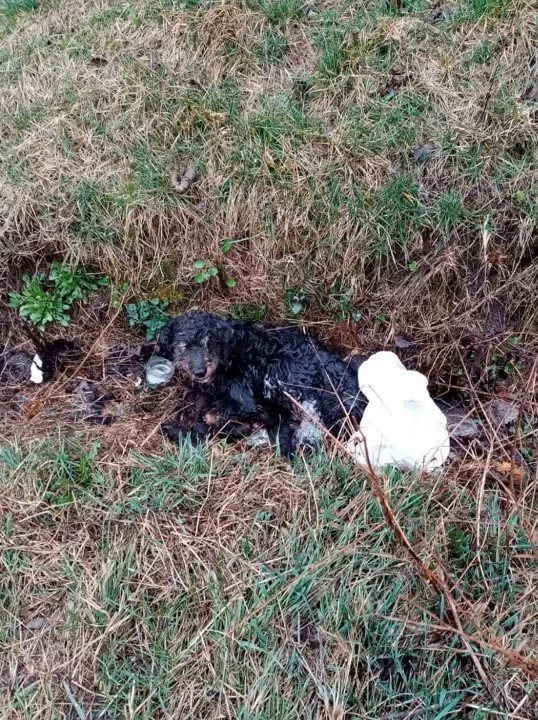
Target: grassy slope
(184, 586)
(309, 135)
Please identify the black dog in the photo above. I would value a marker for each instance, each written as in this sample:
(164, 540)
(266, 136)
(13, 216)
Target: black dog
(249, 375)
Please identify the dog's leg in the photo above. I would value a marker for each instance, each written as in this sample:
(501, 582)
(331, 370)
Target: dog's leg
(235, 430)
(230, 418)
(282, 433)
(176, 431)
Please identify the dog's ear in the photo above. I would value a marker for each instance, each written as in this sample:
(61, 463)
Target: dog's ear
(231, 337)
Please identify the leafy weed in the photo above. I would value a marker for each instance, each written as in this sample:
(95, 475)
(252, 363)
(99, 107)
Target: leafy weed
(341, 306)
(206, 270)
(76, 283)
(296, 302)
(39, 305)
(150, 315)
(48, 300)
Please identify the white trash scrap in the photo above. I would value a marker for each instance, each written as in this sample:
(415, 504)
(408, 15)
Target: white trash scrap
(401, 425)
(36, 370)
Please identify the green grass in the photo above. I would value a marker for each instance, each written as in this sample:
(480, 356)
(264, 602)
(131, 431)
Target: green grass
(197, 587)
(11, 7)
(109, 135)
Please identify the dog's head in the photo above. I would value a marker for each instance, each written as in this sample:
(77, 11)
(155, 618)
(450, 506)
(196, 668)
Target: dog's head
(198, 343)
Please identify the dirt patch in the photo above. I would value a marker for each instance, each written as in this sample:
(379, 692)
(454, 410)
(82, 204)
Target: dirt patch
(125, 413)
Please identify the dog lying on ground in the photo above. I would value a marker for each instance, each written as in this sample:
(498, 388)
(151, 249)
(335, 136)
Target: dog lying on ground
(245, 376)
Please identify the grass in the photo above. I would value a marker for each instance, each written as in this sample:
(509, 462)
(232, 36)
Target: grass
(201, 586)
(312, 120)
(371, 169)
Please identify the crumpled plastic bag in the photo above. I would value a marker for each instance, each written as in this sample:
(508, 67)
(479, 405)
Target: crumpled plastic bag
(401, 425)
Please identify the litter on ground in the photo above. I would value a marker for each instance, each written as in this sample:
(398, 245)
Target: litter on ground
(401, 425)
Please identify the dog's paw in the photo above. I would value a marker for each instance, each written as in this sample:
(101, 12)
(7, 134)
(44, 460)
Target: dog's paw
(286, 442)
(175, 431)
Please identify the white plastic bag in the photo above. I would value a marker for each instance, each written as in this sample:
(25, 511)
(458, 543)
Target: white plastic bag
(401, 425)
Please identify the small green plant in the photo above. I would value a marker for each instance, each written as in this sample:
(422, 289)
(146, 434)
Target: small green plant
(460, 543)
(382, 318)
(481, 54)
(413, 266)
(38, 304)
(528, 448)
(450, 210)
(148, 314)
(274, 47)
(73, 476)
(341, 306)
(49, 299)
(77, 283)
(296, 302)
(278, 12)
(205, 270)
(117, 295)
(504, 361)
(8, 525)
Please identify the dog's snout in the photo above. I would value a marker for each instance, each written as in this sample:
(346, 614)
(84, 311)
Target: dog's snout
(197, 363)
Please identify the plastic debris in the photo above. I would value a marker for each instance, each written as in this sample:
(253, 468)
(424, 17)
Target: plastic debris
(260, 438)
(503, 412)
(36, 370)
(459, 422)
(402, 342)
(401, 425)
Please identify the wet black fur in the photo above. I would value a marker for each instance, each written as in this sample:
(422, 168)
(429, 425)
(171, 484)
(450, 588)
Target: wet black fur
(263, 372)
